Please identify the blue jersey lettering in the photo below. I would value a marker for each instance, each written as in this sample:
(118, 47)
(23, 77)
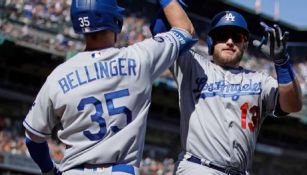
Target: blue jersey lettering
(96, 71)
(63, 84)
(223, 89)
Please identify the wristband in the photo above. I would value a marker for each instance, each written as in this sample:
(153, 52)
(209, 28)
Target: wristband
(164, 3)
(285, 73)
(186, 40)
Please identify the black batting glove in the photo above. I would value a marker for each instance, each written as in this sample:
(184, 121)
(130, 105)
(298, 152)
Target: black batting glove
(274, 44)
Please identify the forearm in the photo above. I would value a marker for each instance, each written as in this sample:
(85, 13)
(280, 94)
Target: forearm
(39, 151)
(290, 96)
(274, 46)
(177, 17)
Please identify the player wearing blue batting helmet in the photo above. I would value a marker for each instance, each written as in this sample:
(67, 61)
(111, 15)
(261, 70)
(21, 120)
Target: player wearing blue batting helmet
(216, 141)
(101, 96)
(96, 15)
(223, 21)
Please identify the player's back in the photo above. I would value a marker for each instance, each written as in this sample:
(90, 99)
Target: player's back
(100, 93)
(101, 100)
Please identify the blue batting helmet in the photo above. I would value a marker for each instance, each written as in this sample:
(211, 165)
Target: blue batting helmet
(90, 16)
(226, 19)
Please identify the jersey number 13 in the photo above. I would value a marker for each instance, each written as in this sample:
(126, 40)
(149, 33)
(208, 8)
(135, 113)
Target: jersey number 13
(254, 111)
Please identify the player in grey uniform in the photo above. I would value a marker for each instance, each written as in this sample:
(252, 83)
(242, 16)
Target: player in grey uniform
(222, 104)
(101, 96)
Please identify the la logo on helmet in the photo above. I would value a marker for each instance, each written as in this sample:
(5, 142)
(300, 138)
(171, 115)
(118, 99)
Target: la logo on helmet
(229, 17)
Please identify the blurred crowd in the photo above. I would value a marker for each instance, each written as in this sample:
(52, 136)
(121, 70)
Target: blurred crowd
(151, 166)
(52, 15)
(15, 145)
(45, 24)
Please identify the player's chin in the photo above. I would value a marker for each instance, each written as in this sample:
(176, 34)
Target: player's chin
(231, 56)
(230, 60)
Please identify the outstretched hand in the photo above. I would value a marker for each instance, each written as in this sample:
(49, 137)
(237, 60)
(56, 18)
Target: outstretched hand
(274, 44)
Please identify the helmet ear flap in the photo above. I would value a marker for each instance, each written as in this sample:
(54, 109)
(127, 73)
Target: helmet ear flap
(210, 45)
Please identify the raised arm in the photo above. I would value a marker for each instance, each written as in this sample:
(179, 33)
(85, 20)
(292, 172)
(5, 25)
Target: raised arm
(176, 16)
(274, 45)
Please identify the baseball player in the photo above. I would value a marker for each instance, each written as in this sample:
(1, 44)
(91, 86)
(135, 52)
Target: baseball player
(100, 98)
(222, 104)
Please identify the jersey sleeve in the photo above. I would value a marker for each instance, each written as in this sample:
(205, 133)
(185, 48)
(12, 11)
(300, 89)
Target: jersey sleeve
(161, 51)
(40, 119)
(182, 66)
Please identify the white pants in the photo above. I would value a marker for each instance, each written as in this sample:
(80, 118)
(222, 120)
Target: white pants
(185, 167)
(101, 171)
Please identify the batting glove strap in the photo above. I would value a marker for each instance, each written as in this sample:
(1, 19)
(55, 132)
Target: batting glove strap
(285, 73)
(285, 59)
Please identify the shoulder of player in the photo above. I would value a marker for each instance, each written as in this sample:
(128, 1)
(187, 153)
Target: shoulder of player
(158, 40)
(146, 46)
(74, 61)
(195, 55)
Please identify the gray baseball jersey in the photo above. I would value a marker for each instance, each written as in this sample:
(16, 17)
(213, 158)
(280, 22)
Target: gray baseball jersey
(101, 99)
(222, 109)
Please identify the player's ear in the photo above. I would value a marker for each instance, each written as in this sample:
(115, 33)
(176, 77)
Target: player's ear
(115, 37)
(245, 45)
(246, 42)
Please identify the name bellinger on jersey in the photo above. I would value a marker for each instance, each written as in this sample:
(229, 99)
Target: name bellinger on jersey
(96, 71)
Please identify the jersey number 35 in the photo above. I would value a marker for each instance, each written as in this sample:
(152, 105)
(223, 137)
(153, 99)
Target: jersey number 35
(98, 116)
